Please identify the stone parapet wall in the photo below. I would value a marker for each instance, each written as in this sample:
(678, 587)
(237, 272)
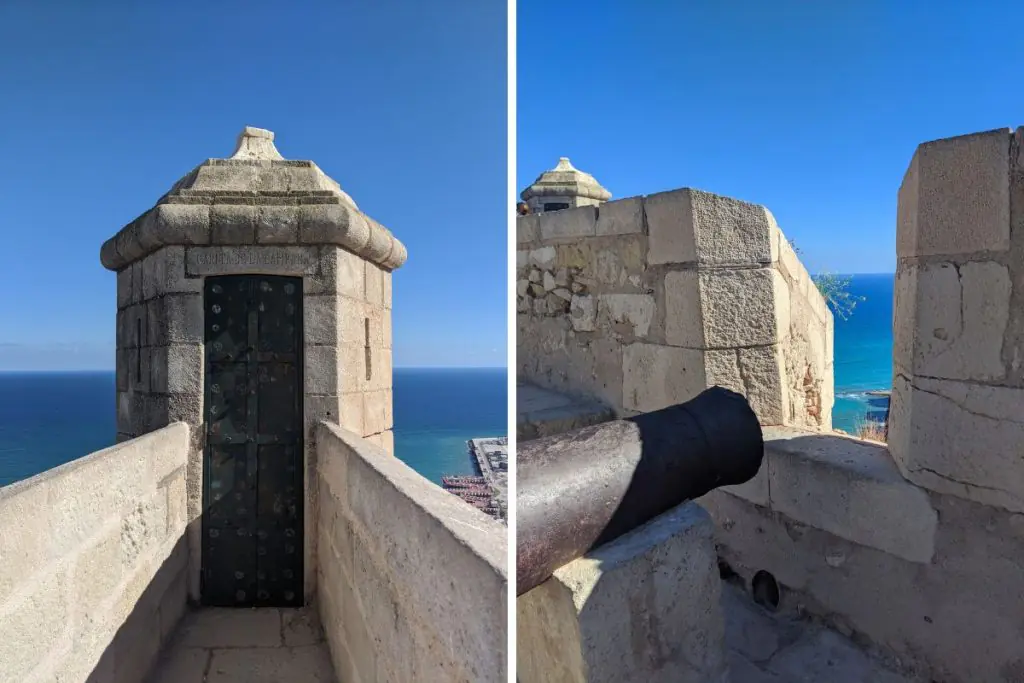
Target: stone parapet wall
(933, 580)
(644, 302)
(644, 607)
(957, 416)
(93, 563)
(412, 581)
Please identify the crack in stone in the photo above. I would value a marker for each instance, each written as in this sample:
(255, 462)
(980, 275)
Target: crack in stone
(965, 484)
(959, 405)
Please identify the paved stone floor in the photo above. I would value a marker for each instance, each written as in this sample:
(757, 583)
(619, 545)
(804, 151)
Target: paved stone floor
(768, 648)
(246, 646)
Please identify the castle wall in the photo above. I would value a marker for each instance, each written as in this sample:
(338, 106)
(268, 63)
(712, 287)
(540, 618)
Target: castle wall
(933, 580)
(644, 607)
(412, 582)
(93, 563)
(959, 319)
(916, 546)
(644, 302)
(160, 352)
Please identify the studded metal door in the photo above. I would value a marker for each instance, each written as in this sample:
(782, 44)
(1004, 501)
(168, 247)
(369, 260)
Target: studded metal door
(252, 474)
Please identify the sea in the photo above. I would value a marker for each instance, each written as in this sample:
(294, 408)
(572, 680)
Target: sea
(47, 419)
(50, 418)
(863, 353)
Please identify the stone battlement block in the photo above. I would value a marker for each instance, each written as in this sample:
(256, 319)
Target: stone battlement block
(643, 607)
(955, 196)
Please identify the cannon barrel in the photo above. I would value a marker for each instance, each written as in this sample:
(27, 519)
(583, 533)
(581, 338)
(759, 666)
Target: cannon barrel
(581, 489)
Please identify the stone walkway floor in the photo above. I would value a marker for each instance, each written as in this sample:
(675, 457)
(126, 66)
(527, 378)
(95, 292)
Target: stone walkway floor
(769, 648)
(246, 646)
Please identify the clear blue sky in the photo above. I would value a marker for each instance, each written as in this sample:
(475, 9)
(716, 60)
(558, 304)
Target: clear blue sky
(104, 105)
(813, 109)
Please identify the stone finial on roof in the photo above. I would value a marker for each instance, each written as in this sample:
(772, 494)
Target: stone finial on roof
(255, 185)
(256, 143)
(566, 183)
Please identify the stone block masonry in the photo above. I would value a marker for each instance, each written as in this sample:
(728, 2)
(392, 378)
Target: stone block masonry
(644, 302)
(641, 608)
(412, 581)
(93, 563)
(254, 214)
(959, 319)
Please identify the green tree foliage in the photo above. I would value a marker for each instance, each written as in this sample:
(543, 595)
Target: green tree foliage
(835, 289)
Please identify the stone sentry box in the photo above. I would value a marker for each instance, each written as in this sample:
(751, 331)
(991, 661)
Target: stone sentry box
(254, 214)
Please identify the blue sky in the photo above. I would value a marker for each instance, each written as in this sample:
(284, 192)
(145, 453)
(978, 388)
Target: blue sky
(812, 109)
(103, 109)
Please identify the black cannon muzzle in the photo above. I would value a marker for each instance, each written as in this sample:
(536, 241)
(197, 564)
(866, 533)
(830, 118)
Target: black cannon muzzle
(579, 490)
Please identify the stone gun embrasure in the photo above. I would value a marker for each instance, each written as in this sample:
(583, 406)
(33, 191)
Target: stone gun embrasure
(579, 490)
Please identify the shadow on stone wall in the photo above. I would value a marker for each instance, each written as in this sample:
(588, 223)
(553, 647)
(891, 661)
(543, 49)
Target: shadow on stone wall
(149, 626)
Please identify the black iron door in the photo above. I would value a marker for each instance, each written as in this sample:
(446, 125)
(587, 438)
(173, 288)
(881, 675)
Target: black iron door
(252, 474)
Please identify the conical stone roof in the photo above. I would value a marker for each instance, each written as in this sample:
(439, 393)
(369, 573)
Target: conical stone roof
(260, 187)
(564, 180)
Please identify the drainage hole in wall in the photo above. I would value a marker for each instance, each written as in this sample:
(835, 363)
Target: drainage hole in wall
(766, 590)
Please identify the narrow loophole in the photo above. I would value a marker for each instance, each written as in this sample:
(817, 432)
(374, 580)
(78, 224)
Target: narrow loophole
(366, 337)
(138, 349)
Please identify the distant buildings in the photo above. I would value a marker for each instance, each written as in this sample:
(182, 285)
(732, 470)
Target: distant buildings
(487, 491)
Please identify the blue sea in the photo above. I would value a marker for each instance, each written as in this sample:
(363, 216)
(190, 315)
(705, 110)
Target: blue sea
(863, 353)
(48, 419)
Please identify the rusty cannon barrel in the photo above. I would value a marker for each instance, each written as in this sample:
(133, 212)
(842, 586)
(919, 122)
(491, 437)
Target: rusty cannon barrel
(581, 489)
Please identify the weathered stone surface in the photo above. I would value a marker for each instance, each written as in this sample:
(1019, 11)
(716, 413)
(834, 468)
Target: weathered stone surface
(285, 202)
(737, 307)
(321, 370)
(955, 197)
(656, 377)
(528, 229)
(387, 292)
(224, 627)
(670, 224)
(178, 369)
(953, 320)
(542, 413)
(626, 314)
(451, 621)
(232, 224)
(182, 665)
(852, 489)
(621, 217)
(980, 458)
(377, 411)
(277, 225)
(684, 324)
(583, 313)
(754, 372)
(175, 318)
(183, 223)
(564, 185)
(163, 272)
(255, 665)
(80, 542)
(920, 611)
(267, 260)
(124, 287)
(576, 624)
(694, 226)
(374, 284)
(321, 321)
(569, 223)
(543, 257)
